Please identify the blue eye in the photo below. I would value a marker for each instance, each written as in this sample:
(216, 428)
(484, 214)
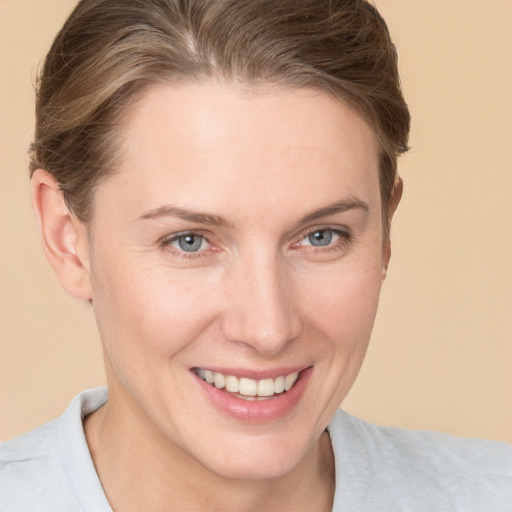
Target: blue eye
(321, 237)
(189, 242)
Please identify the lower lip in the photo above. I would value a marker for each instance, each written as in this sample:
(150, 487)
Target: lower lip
(256, 411)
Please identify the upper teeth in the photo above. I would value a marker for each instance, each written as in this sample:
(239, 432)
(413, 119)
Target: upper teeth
(249, 387)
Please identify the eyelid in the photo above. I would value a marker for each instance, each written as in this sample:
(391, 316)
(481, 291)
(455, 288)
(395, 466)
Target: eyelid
(166, 243)
(344, 232)
(173, 236)
(335, 237)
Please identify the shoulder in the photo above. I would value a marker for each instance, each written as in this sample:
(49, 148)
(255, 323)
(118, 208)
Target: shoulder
(29, 467)
(34, 445)
(432, 448)
(424, 470)
(35, 467)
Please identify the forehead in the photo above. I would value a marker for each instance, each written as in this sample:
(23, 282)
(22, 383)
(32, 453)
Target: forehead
(216, 143)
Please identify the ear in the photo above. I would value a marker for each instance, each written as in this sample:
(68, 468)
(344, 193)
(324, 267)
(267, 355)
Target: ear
(64, 237)
(394, 200)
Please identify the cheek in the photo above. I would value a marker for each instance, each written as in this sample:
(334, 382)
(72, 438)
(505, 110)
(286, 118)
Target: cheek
(340, 316)
(150, 310)
(343, 303)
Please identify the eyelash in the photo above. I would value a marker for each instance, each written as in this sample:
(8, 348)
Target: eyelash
(339, 244)
(167, 241)
(344, 239)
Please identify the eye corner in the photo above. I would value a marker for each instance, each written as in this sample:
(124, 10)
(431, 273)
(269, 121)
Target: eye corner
(331, 239)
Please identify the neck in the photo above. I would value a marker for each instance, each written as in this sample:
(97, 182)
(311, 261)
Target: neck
(140, 470)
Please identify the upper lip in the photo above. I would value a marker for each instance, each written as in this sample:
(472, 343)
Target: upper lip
(256, 374)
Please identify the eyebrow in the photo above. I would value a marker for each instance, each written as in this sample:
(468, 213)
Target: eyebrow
(188, 215)
(344, 205)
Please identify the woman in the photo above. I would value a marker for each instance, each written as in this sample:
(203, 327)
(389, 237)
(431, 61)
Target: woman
(218, 180)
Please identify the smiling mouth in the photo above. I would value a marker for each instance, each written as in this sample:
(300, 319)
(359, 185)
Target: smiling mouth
(248, 389)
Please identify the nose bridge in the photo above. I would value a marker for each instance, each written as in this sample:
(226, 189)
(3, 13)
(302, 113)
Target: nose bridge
(261, 310)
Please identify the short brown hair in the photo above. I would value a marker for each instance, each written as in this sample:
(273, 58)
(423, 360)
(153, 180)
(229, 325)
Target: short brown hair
(108, 52)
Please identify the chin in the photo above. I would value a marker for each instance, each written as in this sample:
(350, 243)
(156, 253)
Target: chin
(257, 459)
(255, 469)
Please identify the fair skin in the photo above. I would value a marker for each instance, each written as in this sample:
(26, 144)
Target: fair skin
(242, 234)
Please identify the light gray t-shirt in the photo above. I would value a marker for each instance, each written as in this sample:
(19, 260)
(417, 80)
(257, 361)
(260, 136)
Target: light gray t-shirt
(377, 468)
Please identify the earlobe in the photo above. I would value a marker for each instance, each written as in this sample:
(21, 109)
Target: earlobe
(63, 236)
(394, 200)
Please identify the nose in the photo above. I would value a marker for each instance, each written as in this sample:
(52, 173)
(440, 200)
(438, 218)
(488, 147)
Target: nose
(261, 311)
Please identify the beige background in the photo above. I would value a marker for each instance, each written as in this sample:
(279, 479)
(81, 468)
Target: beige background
(441, 355)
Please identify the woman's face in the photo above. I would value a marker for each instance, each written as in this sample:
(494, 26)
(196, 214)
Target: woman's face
(240, 241)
